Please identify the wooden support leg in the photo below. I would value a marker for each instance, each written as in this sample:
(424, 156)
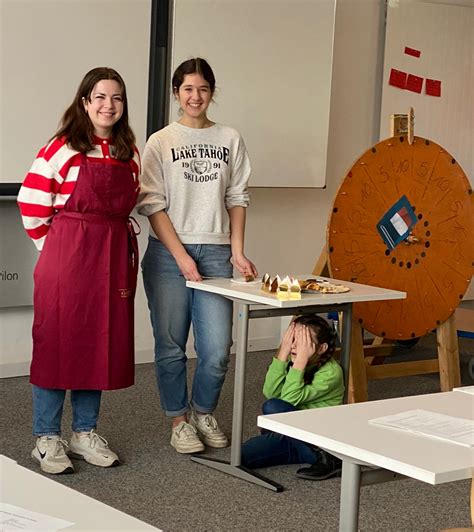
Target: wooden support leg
(448, 355)
(321, 266)
(357, 374)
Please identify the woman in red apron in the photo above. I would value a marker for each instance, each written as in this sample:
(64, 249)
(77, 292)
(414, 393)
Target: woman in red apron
(75, 204)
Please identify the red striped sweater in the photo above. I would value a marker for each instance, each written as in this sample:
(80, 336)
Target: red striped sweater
(51, 180)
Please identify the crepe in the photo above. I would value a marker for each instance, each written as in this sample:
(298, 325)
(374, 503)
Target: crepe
(322, 286)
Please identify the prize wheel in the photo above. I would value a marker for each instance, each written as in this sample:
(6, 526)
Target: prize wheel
(435, 268)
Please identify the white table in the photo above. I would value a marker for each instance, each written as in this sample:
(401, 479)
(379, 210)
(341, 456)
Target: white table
(247, 295)
(345, 431)
(32, 491)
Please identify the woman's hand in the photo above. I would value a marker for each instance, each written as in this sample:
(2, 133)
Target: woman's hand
(286, 343)
(188, 268)
(164, 230)
(305, 347)
(244, 265)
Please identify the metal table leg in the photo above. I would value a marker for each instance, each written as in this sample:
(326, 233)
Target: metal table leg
(346, 346)
(234, 468)
(350, 493)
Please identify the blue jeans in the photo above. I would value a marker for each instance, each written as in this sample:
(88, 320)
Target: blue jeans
(48, 410)
(173, 308)
(271, 449)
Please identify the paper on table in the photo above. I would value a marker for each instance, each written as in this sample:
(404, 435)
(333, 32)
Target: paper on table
(465, 389)
(450, 428)
(242, 280)
(16, 518)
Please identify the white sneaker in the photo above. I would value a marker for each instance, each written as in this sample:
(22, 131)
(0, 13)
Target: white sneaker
(93, 449)
(208, 430)
(50, 452)
(184, 439)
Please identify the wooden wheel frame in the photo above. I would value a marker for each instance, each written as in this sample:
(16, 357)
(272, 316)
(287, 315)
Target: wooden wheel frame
(434, 271)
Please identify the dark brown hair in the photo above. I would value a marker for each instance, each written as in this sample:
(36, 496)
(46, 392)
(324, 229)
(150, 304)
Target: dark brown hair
(196, 65)
(324, 335)
(77, 127)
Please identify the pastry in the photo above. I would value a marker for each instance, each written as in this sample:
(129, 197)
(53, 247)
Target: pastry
(274, 284)
(288, 288)
(266, 283)
(283, 289)
(325, 287)
(295, 289)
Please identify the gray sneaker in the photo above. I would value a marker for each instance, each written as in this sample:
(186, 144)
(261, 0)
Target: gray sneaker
(50, 453)
(92, 448)
(185, 439)
(208, 430)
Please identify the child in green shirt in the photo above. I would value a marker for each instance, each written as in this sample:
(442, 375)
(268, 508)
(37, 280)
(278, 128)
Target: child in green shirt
(302, 375)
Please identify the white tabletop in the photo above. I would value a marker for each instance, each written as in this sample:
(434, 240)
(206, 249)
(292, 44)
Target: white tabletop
(346, 430)
(252, 293)
(26, 489)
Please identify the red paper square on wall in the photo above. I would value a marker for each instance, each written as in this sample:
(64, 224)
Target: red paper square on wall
(433, 87)
(414, 83)
(398, 78)
(412, 51)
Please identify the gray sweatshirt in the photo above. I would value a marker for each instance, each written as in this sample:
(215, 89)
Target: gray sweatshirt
(195, 175)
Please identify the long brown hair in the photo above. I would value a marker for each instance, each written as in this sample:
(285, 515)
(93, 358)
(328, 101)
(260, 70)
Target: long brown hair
(325, 335)
(77, 127)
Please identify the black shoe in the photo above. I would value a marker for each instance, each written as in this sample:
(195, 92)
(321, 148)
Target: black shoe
(326, 466)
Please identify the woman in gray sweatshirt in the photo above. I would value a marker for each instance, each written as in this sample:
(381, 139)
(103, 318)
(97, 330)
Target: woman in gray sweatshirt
(194, 192)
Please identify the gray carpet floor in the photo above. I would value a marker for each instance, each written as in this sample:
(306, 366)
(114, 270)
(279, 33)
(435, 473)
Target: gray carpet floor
(167, 490)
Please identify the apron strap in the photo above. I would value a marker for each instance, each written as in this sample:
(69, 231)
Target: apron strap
(134, 229)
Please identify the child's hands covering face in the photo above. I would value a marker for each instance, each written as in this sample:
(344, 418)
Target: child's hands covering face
(305, 347)
(286, 343)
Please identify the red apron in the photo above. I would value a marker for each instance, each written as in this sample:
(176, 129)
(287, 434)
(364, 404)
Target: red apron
(85, 280)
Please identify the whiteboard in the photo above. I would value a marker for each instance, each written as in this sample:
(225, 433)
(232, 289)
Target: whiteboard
(46, 47)
(272, 60)
(444, 34)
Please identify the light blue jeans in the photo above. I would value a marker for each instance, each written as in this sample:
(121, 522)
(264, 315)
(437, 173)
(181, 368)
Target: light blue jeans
(48, 410)
(173, 308)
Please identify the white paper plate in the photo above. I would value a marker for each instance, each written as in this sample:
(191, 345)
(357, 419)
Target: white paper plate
(241, 280)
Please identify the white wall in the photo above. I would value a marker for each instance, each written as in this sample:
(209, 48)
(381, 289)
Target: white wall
(444, 35)
(286, 228)
(43, 56)
(256, 98)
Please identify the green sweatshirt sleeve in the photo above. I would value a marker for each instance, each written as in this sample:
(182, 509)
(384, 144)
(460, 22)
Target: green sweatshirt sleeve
(275, 378)
(326, 389)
